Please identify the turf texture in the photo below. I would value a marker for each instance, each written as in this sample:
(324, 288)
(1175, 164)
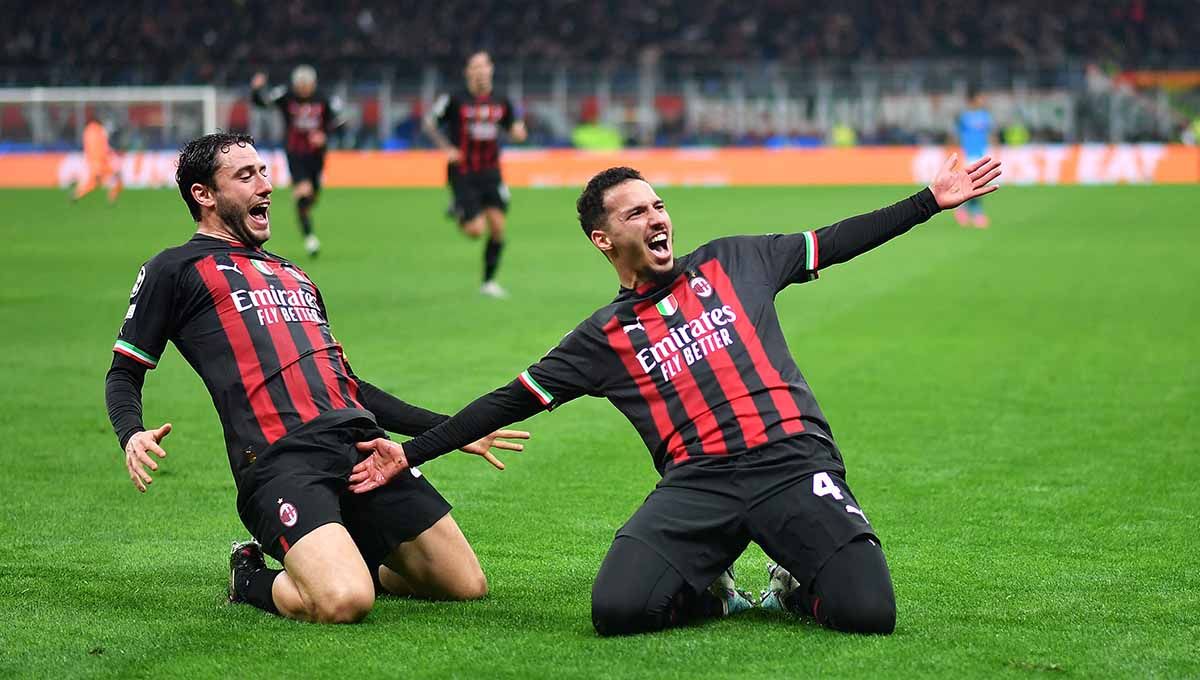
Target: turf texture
(1018, 408)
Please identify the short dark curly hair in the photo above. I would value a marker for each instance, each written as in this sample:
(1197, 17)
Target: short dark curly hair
(198, 163)
(590, 205)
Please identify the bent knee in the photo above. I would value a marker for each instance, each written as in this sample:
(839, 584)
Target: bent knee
(616, 618)
(473, 587)
(615, 614)
(349, 605)
(870, 615)
(473, 228)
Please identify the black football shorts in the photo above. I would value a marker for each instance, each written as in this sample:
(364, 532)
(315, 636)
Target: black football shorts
(306, 167)
(300, 483)
(474, 191)
(704, 513)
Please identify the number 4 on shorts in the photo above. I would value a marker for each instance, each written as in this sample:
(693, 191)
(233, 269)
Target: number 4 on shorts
(824, 486)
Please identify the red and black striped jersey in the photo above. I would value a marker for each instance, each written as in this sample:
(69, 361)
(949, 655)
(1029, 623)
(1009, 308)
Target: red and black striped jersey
(301, 116)
(473, 126)
(254, 326)
(699, 365)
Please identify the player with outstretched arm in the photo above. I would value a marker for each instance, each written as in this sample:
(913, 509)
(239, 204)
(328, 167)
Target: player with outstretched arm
(692, 353)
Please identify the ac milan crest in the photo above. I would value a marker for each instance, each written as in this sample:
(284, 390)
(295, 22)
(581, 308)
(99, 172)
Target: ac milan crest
(288, 515)
(702, 287)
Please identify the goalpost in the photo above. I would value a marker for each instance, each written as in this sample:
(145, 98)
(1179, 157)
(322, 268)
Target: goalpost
(45, 118)
(146, 125)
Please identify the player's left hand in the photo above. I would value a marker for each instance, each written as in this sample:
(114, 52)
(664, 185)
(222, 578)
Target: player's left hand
(385, 462)
(956, 185)
(496, 439)
(317, 138)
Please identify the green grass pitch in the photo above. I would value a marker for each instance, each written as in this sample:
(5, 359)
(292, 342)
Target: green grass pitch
(1018, 409)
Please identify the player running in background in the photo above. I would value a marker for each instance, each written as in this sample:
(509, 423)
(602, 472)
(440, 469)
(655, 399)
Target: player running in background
(254, 326)
(691, 352)
(309, 117)
(472, 121)
(975, 135)
(102, 163)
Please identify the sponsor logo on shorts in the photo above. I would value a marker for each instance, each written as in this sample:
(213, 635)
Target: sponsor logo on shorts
(288, 514)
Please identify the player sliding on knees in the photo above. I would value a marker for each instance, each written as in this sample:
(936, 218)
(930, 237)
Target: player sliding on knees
(255, 327)
(691, 352)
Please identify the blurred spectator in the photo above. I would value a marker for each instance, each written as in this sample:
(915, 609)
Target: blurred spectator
(177, 42)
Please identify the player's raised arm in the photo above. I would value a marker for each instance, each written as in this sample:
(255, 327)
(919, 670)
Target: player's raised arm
(795, 258)
(263, 97)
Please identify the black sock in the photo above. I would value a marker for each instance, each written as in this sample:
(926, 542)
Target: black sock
(304, 207)
(256, 589)
(491, 259)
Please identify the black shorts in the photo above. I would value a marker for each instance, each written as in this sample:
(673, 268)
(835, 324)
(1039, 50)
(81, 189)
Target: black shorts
(475, 191)
(306, 167)
(300, 483)
(704, 513)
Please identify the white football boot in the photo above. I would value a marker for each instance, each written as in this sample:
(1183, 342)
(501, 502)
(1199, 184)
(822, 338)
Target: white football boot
(732, 599)
(493, 290)
(779, 589)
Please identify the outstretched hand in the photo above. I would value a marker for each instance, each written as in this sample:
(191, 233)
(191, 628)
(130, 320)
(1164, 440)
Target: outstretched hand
(137, 455)
(496, 439)
(955, 185)
(387, 459)
(385, 462)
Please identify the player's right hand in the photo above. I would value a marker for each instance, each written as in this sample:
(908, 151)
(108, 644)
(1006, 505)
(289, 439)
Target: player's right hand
(453, 155)
(385, 462)
(137, 457)
(259, 80)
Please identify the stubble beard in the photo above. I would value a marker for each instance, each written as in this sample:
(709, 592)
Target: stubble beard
(234, 217)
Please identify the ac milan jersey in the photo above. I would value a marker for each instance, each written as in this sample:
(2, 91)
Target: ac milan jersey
(473, 126)
(253, 325)
(699, 365)
(301, 116)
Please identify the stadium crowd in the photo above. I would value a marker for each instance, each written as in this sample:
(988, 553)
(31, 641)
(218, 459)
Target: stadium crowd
(178, 42)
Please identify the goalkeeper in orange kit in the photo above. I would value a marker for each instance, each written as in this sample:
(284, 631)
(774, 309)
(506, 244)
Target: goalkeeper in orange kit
(102, 163)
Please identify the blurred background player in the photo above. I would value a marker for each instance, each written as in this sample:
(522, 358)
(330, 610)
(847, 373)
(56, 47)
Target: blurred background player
(102, 162)
(974, 128)
(309, 116)
(472, 121)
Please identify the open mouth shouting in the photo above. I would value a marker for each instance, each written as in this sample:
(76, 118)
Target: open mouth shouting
(259, 214)
(659, 245)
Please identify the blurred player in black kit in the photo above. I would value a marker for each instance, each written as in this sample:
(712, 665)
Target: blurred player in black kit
(692, 353)
(472, 121)
(255, 328)
(309, 117)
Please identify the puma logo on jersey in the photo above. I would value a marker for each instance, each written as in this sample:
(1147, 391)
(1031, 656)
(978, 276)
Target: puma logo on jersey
(229, 268)
(637, 326)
